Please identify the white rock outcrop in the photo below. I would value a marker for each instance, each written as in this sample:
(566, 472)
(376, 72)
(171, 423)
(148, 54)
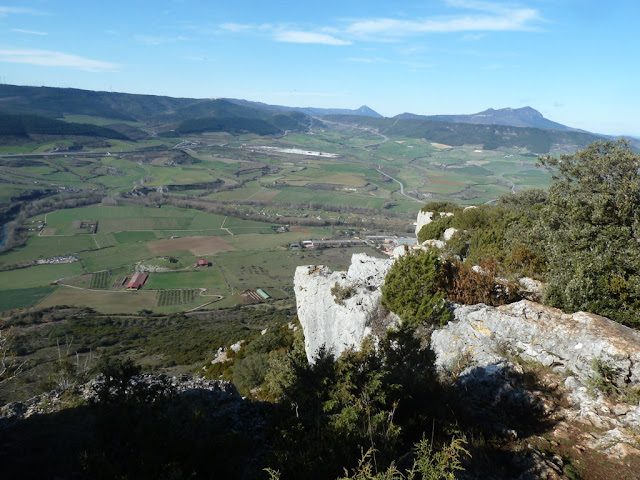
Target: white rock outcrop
(567, 343)
(425, 218)
(339, 323)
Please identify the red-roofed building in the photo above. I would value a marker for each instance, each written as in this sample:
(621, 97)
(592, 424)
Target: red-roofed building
(202, 263)
(137, 281)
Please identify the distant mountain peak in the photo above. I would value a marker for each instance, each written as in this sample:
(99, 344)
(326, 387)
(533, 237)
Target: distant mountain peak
(512, 117)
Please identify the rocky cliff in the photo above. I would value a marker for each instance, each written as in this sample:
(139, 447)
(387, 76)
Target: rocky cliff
(338, 309)
(484, 348)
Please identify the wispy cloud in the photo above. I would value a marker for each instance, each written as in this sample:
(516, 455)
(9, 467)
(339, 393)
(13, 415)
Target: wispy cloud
(523, 19)
(48, 58)
(473, 18)
(297, 36)
(244, 27)
(6, 11)
(28, 32)
(155, 40)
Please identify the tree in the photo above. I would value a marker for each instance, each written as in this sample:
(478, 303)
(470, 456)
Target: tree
(590, 226)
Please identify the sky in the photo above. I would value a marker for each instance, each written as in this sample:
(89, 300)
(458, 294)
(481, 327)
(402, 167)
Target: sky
(576, 61)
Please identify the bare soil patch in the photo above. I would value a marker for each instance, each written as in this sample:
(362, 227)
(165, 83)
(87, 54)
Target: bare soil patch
(196, 245)
(441, 146)
(47, 232)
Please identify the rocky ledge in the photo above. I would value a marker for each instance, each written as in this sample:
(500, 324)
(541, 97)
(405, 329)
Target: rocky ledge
(484, 348)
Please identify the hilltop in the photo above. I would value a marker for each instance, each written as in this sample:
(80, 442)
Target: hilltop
(170, 117)
(512, 117)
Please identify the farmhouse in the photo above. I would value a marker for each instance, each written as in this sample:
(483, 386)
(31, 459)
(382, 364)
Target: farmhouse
(202, 263)
(137, 281)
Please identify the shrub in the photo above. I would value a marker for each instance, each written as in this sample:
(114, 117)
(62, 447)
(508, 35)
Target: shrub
(441, 207)
(342, 292)
(470, 285)
(414, 289)
(434, 229)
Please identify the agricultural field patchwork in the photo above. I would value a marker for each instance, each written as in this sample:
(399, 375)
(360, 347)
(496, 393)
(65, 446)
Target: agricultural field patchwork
(221, 198)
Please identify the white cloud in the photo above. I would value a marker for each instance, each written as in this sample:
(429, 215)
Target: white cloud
(236, 27)
(6, 11)
(509, 20)
(48, 58)
(244, 27)
(473, 18)
(297, 36)
(28, 32)
(153, 40)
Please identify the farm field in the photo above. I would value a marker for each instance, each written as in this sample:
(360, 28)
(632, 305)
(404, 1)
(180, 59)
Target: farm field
(151, 206)
(244, 254)
(105, 302)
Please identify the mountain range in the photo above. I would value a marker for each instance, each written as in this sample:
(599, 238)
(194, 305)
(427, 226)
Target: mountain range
(171, 116)
(512, 117)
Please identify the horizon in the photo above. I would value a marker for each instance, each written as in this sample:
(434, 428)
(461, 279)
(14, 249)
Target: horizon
(449, 57)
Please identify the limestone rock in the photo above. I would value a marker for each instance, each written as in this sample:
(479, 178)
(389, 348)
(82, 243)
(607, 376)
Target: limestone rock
(425, 218)
(340, 323)
(565, 342)
(449, 233)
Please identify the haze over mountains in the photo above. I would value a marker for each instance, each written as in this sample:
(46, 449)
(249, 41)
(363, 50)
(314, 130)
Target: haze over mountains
(507, 127)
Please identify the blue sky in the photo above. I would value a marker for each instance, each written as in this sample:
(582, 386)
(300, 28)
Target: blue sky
(576, 61)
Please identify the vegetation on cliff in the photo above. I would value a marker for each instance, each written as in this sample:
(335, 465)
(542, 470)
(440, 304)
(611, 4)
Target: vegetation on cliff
(581, 238)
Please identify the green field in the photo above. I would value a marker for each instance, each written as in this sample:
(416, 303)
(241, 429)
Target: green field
(37, 276)
(131, 237)
(259, 184)
(23, 297)
(46, 247)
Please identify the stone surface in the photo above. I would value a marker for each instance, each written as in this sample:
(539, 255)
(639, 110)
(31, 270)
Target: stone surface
(481, 350)
(160, 385)
(449, 233)
(425, 218)
(567, 343)
(333, 323)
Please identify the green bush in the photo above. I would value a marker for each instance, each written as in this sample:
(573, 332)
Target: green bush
(414, 289)
(434, 229)
(590, 228)
(249, 372)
